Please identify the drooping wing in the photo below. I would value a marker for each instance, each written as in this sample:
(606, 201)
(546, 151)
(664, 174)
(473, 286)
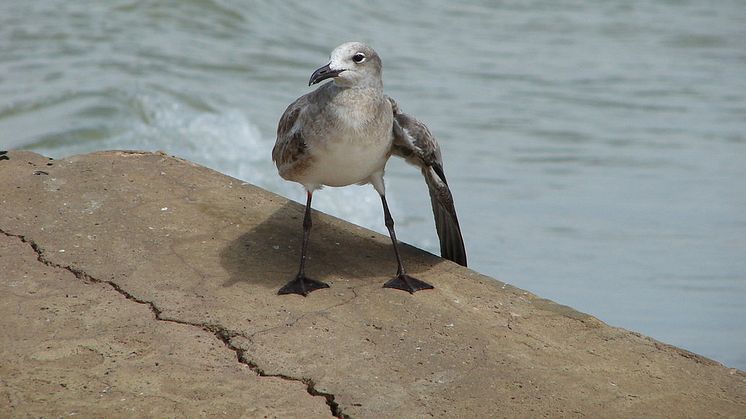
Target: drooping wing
(414, 143)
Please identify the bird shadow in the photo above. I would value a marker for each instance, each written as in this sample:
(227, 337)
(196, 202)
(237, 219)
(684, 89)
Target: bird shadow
(268, 255)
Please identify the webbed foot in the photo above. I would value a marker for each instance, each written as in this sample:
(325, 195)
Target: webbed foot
(302, 285)
(407, 283)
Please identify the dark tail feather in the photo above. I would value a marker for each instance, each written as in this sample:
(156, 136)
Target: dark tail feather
(446, 222)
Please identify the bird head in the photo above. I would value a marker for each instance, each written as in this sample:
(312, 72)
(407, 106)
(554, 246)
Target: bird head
(351, 64)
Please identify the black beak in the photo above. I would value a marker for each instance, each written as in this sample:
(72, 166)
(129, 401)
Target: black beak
(323, 73)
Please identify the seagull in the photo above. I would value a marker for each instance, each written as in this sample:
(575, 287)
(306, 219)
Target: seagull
(343, 133)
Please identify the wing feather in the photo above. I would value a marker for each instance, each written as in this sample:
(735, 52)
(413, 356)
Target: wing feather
(414, 143)
(290, 150)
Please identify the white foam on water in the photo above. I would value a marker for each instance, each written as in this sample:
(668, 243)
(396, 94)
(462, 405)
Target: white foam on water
(225, 140)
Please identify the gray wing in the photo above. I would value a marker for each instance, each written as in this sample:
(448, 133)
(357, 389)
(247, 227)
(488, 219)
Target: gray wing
(290, 150)
(414, 143)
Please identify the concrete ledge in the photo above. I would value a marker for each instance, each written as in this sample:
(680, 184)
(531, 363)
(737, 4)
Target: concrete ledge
(141, 284)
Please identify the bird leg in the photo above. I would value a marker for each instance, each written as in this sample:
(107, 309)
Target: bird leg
(303, 285)
(402, 281)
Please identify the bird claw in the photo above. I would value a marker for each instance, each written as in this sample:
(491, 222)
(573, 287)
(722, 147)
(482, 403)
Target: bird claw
(407, 283)
(302, 285)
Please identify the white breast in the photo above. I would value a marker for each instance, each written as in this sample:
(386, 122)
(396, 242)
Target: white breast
(342, 163)
(352, 139)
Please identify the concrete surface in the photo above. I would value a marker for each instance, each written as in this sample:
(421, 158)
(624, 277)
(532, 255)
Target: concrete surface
(138, 284)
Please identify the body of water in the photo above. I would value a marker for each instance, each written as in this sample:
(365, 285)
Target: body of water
(596, 149)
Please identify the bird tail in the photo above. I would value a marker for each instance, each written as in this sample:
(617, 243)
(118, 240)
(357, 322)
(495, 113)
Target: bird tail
(444, 211)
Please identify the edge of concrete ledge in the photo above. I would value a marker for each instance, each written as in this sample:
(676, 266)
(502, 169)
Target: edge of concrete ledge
(173, 270)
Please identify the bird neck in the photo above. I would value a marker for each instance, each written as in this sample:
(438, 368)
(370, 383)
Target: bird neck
(368, 83)
(356, 106)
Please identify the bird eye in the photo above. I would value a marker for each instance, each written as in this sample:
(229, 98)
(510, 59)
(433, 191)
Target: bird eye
(358, 58)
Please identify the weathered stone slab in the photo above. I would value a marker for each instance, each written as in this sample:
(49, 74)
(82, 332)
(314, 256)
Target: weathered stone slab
(176, 264)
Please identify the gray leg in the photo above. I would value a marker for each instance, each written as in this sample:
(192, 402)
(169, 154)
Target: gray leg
(303, 285)
(402, 281)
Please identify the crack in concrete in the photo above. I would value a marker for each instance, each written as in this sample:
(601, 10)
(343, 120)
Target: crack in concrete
(221, 333)
(225, 336)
